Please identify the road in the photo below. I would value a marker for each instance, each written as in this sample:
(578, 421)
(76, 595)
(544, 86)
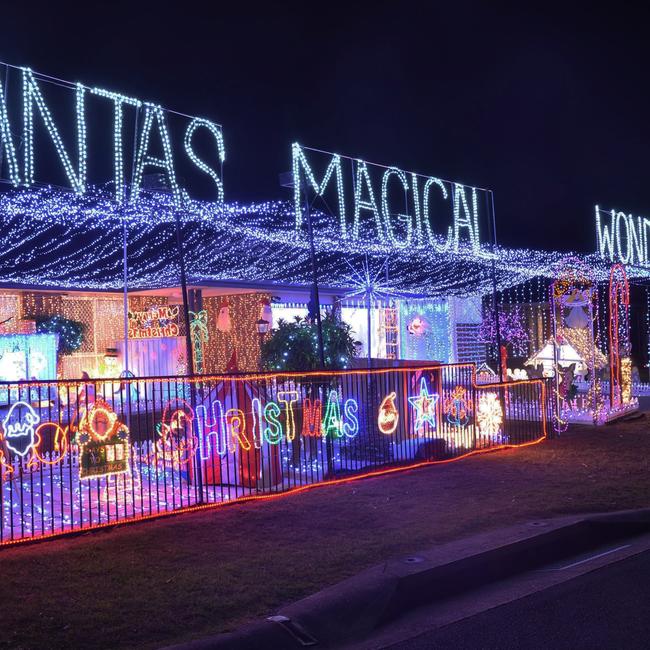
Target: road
(606, 608)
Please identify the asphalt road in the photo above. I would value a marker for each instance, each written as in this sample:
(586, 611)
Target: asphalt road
(607, 608)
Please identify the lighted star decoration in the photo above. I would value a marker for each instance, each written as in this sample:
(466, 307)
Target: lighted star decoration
(425, 406)
(368, 283)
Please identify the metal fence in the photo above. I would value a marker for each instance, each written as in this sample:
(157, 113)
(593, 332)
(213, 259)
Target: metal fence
(78, 455)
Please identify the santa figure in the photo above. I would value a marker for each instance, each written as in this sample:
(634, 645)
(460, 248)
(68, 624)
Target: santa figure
(265, 311)
(223, 317)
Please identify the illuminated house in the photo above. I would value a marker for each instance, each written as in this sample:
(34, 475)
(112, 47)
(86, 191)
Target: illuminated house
(241, 263)
(129, 283)
(567, 353)
(408, 260)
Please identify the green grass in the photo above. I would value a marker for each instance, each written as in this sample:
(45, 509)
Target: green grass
(170, 580)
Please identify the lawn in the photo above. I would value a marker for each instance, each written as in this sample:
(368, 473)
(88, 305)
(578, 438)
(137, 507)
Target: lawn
(169, 580)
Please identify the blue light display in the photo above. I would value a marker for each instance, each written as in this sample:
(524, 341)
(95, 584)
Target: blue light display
(28, 356)
(425, 330)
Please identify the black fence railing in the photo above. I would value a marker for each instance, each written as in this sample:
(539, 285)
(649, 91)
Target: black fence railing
(77, 455)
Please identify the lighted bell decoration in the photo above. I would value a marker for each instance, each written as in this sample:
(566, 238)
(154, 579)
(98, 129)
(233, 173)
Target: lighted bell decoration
(388, 416)
(577, 318)
(223, 317)
(265, 311)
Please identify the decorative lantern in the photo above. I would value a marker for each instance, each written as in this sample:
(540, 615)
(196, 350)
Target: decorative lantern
(266, 313)
(223, 317)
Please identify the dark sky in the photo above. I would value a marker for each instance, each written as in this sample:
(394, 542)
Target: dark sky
(547, 106)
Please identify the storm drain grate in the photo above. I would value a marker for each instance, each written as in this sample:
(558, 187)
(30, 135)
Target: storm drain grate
(296, 631)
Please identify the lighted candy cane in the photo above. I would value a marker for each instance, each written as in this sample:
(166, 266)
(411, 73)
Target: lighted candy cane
(200, 337)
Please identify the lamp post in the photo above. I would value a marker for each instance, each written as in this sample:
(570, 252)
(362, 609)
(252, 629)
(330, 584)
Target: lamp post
(262, 328)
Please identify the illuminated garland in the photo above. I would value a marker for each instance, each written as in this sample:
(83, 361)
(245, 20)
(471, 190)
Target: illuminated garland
(46, 235)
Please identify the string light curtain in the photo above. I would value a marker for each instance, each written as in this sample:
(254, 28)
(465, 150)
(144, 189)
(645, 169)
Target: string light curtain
(58, 239)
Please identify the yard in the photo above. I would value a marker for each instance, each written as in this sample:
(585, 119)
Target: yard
(169, 580)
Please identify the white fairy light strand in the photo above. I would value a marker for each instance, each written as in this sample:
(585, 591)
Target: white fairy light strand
(215, 130)
(118, 119)
(299, 161)
(8, 142)
(54, 238)
(153, 113)
(32, 95)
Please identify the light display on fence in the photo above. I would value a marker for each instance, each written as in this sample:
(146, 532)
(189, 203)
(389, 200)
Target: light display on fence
(458, 406)
(489, 415)
(103, 442)
(424, 404)
(388, 417)
(221, 439)
(19, 428)
(149, 120)
(402, 212)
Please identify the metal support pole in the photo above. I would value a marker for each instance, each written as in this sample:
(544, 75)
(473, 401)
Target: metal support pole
(186, 308)
(368, 307)
(495, 306)
(126, 297)
(314, 273)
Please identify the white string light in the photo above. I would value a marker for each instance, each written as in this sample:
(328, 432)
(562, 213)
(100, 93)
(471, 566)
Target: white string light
(363, 178)
(406, 218)
(32, 95)
(153, 113)
(427, 219)
(299, 161)
(54, 238)
(118, 119)
(196, 123)
(8, 142)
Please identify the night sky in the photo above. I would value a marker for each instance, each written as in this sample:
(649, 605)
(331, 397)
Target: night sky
(547, 107)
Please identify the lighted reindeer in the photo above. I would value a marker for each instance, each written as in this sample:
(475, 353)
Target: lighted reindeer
(567, 390)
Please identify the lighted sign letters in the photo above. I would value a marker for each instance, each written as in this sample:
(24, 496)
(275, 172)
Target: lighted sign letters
(622, 237)
(155, 322)
(151, 126)
(406, 221)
